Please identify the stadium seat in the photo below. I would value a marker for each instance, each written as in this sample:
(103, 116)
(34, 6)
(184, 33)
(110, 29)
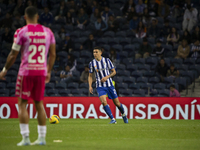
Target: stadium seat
(76, 92)
(81, 40)
(189, 74)
(64, 92)
(90, 27)
(120, 67)
(14, 67)
(123, 73)
(154, 80)
(109, 34)
(72, 85)
(54, 95)
(151, 60)
(134, 86)
(165, 92)
(124, 41)
(197, 60)
(128, 80)
(101, 41)
(11, 86)
(85, 54)
(122, 85)
(84, 85)
(149, 73)
(136, 74)
(143, 67)
(12, 74)
(8, 80)
(85, 33)
(178, 61)
(172, 20)
(75, 34)
(2, 85)
(189, 61)
(49, 86)
(123, 55)
(196, 68)
(137, 41)
(85, 92)
(113, 41)
(62, 54)
(12, 92)
(160, 20)
(140, 61)
(131, 67)
(125, 92)
(60, 86)
(77, 47)
(170, 54)
(183, 67)
(120, 34)
(117, 47)
(151, 40)
(146, 87)
(142, 80)
(140, 92)
(80, 61)
(159, 86)
(125, 27)
(118, 79)
(127, 61)
(69, 27)
(129, 48)
(130, 34)
(181, 82)
(106, 47)
(75, 54)
(4, 91)
(168, 80)
(52, 91)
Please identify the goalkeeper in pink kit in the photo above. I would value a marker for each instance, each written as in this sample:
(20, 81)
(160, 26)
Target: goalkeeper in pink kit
(35, 42)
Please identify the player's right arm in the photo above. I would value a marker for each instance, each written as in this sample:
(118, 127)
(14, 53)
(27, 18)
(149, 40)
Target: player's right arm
(51, 60)
(90, 82)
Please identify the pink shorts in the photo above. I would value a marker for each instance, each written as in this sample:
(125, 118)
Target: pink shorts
(30, 87)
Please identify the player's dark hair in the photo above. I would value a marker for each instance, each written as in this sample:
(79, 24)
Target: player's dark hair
(99, 48)
(172, 85)
(31, 11)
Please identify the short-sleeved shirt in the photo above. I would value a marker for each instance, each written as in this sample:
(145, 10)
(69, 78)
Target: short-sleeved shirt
(102, 69)
(34, 41)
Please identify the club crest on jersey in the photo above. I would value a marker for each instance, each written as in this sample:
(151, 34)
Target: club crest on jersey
(96, 69)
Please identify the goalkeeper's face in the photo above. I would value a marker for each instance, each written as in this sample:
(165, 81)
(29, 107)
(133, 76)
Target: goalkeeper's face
(97, 53)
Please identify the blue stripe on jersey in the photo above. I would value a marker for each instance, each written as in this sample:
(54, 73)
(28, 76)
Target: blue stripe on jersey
(101, 69)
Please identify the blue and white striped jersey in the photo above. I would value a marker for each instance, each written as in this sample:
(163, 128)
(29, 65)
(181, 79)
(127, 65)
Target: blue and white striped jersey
(102, 69)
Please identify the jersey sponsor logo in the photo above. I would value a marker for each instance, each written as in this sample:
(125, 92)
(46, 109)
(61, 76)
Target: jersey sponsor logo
(36, 33)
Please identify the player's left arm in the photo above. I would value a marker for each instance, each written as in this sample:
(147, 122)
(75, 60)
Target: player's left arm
(113, 73)
(9, 62)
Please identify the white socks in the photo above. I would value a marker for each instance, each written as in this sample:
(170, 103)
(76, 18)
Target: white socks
(24, 130)
(42, 130)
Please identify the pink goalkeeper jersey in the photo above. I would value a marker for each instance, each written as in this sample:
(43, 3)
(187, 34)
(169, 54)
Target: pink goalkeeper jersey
(34, 41)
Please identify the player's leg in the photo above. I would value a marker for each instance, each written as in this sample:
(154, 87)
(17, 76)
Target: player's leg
(107, 108)
(23, 120)
(41, 117)
(112, 94)
(121, 109)
(38, 96)
(102, 96)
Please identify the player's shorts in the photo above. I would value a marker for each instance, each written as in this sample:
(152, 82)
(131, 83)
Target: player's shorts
(30, 87)
(112, 94)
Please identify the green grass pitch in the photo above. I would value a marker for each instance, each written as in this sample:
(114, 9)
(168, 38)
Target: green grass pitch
(96, 134)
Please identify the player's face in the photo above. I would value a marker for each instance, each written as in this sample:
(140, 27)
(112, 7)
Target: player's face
(97, 53)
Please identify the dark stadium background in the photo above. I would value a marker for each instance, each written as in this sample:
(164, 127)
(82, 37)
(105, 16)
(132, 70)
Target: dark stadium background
(135, 77)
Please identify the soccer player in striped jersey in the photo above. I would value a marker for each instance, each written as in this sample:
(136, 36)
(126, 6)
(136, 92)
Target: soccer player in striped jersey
(102, 67)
